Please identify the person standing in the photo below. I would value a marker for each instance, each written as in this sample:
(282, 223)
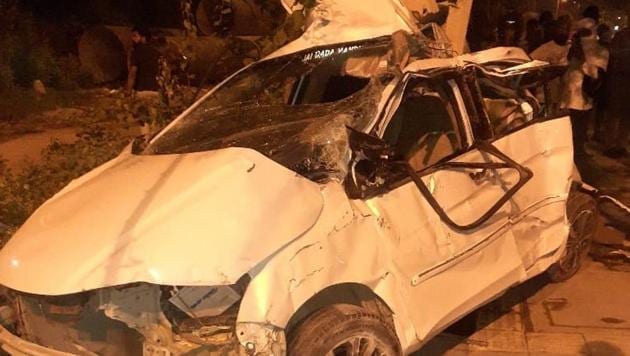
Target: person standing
(547, 21)
(604, 35)
(554, 52)
(534, 36)
(581, 83)
(597, 56)
(143, 63)
(619, 93)
(510, 29)
(590, 19)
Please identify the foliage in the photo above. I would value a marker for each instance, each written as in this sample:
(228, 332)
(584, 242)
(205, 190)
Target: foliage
(23, 49)
(6, 78)
(112, 120)
(70, 74)
(26, 54)
(188, 17)
(175, 92)
(21, 193)
(290, 29)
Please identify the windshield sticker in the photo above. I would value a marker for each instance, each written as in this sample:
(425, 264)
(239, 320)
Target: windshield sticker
(324, 53)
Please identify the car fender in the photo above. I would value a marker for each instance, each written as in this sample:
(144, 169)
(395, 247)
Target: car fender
(347, 245)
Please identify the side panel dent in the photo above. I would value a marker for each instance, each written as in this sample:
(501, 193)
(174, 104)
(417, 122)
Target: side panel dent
(347, 245)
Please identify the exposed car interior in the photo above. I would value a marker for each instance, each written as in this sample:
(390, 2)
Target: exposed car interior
(424, 128)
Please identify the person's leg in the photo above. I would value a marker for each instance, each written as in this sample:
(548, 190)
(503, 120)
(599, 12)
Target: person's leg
(624, 132)
(617, 140)
(579, 124)
(601, 124)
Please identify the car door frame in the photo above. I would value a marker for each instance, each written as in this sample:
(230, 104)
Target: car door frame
(462, 87)
(424, 279)
(536, 261)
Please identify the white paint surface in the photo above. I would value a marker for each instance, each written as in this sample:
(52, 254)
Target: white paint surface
(194, 219)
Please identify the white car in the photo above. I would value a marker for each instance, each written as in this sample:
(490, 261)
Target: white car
(316, 203)
(349, 195)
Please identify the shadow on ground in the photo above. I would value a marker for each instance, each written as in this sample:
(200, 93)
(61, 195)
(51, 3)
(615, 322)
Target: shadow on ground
(484, 316)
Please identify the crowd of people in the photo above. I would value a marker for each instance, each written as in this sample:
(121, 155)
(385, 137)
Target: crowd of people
(595, 89)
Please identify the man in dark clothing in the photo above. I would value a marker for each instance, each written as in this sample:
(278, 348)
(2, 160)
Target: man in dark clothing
(143, 63)
(605, 34)
(547, 21)
(619, 92)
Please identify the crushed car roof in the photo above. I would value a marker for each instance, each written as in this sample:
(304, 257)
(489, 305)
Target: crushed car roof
(333, 22)
(513, 55)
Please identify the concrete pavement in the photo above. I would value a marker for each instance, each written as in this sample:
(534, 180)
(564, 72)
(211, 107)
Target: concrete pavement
(587, 315)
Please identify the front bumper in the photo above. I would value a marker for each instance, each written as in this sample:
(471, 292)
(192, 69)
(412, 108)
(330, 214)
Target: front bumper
(107, 322)
(17, 346)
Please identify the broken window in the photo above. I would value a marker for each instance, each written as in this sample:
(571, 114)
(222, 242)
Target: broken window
(293, 109)
(509, 104)
(423, 129)
(314, 76)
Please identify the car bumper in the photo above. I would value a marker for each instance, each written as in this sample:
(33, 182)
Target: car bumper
(17, 346)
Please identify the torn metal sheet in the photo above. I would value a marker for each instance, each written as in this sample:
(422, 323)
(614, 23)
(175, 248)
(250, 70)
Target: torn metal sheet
(72, 325)
(204, 301)
(517, 56)
(262, 339)
(139, 308)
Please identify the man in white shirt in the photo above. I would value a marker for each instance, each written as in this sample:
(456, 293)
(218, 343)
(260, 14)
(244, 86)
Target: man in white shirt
(586, 59)
(619, 90)
(554, 52)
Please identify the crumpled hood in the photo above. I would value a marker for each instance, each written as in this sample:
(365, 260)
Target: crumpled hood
(190, 219)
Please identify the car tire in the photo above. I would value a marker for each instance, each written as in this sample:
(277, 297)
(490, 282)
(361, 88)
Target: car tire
(582, 214)
(343, 329)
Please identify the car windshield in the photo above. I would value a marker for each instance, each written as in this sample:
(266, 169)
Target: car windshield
(293, 109)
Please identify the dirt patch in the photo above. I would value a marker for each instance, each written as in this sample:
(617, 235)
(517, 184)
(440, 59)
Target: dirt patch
(27, 149)
(60, 110)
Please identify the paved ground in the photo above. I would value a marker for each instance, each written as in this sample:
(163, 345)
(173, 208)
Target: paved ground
(587, 315)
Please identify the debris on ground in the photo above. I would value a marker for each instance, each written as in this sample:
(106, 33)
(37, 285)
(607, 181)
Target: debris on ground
(611, 243)
(614, 223)
(615, 258)
(616, 214)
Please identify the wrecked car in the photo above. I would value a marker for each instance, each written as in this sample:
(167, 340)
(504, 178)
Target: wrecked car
(315, 203)
(330, 200)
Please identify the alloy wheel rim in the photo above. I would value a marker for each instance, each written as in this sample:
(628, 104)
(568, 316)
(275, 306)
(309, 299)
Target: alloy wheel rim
(579, 240)
(358, 345)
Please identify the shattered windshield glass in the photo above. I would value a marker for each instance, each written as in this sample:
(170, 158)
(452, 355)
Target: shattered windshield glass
(293, 109)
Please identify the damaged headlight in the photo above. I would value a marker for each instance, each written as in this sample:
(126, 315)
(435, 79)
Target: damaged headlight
(8, 313)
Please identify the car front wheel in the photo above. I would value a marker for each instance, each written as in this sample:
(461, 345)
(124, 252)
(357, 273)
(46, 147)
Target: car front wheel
(343, 329)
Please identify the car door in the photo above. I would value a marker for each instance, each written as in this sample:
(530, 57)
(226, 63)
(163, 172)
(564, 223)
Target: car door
(527, 126)
(438, 206)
